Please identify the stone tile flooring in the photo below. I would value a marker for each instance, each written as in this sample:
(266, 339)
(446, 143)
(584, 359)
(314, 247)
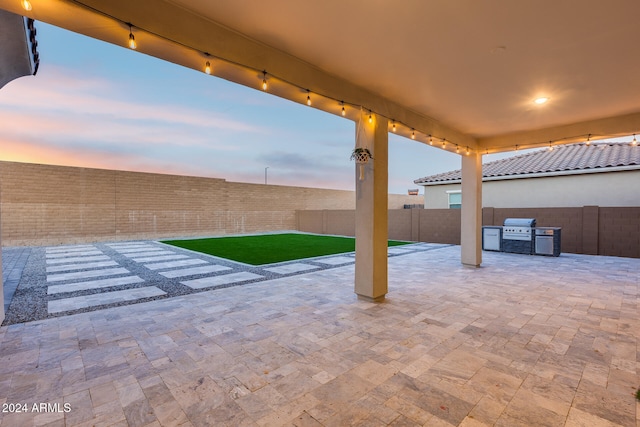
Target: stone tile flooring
(522, 341)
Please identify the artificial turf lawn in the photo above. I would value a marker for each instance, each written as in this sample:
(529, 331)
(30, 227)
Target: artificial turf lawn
(271, 248)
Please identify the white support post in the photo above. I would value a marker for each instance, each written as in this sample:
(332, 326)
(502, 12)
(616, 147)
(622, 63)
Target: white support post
(372, 210)
(471, 224)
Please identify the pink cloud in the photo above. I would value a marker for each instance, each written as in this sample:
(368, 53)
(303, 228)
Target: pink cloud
(60, 90)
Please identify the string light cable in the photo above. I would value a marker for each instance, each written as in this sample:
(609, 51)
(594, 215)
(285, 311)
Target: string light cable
(342, 102)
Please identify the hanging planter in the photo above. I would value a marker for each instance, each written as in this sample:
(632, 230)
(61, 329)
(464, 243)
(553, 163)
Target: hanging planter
(361, 156)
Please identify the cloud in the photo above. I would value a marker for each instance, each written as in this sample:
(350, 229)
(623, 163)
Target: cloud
(62, 92)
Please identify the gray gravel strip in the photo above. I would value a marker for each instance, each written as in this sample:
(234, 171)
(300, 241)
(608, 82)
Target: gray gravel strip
(41, 295)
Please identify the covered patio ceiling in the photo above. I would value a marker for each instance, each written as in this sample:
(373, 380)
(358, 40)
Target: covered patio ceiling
(467, 71)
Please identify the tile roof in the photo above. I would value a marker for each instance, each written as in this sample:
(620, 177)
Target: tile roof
(560, 161)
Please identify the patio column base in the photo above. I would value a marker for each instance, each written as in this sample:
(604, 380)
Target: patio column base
(372, 210)
(369, 299)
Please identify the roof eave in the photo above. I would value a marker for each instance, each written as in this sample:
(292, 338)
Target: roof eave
(539, 175)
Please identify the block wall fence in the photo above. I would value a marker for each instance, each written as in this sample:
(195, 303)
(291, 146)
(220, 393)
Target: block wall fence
(48, 205)
(593, 230)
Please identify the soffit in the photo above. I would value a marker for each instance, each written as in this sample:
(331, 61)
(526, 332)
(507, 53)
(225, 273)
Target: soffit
(439, 60)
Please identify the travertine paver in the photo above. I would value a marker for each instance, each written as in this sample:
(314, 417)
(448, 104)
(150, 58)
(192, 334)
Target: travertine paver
(148, 253)
(336, 260)
(193, 271)
(174, 264)
(222, 279)
(291, 268)
(70, 248)
(522, 341)
(83, 253)
(74, 259)
(94, 284)
(398, 251)
(81, 266)
(75, 303)
(160, 257)
(58, 277)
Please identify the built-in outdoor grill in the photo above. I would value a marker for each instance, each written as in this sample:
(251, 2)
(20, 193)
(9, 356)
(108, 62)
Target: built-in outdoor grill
(517, 235)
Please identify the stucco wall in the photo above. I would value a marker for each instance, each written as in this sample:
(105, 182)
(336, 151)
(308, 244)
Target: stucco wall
(615, 189)
(44, 204)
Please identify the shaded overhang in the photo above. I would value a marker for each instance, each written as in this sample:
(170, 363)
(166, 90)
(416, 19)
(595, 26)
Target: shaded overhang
(459, 75)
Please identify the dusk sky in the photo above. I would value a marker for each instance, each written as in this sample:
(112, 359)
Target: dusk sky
(98, 105)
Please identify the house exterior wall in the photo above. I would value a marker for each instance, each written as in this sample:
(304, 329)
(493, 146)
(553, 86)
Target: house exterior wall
(44, 205)
(613, 189)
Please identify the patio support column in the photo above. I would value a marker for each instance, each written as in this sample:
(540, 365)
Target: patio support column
(371, 210)
(471, 215)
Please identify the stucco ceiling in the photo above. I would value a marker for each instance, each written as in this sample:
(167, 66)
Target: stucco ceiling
(465, 69)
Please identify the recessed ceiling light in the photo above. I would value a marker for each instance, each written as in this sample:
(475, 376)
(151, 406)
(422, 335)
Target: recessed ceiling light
(541, 100)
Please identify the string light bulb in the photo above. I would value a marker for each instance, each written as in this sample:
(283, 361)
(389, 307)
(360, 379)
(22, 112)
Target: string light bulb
(394, 126)
(207, 68)
(344, 112)
(430, 140)
(26, 5)
(634, 142)
(468, 151)
(264, 80)
(457, 149)
(444, 143)
(132, 40)
(588, 139)
(550, 146)
(308, 97)
(370, 117)
(413, 134)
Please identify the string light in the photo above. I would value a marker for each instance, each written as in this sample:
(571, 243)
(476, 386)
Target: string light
(208, 70)
(26, 5)
(132, 39)
(588, 139)
(265, 84)
(468, 150)
(634, 142)
(457, 149)
(517, 148)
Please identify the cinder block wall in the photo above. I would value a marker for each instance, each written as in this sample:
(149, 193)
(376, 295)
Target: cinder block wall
(593, 230)
(44, 205)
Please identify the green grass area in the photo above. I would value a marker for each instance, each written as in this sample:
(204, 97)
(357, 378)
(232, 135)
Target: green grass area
(271, 248)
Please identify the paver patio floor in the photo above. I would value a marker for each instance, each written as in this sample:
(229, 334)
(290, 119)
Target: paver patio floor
(522, 341)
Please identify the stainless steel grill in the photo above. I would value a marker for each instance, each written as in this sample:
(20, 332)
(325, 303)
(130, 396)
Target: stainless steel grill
(517, 235)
